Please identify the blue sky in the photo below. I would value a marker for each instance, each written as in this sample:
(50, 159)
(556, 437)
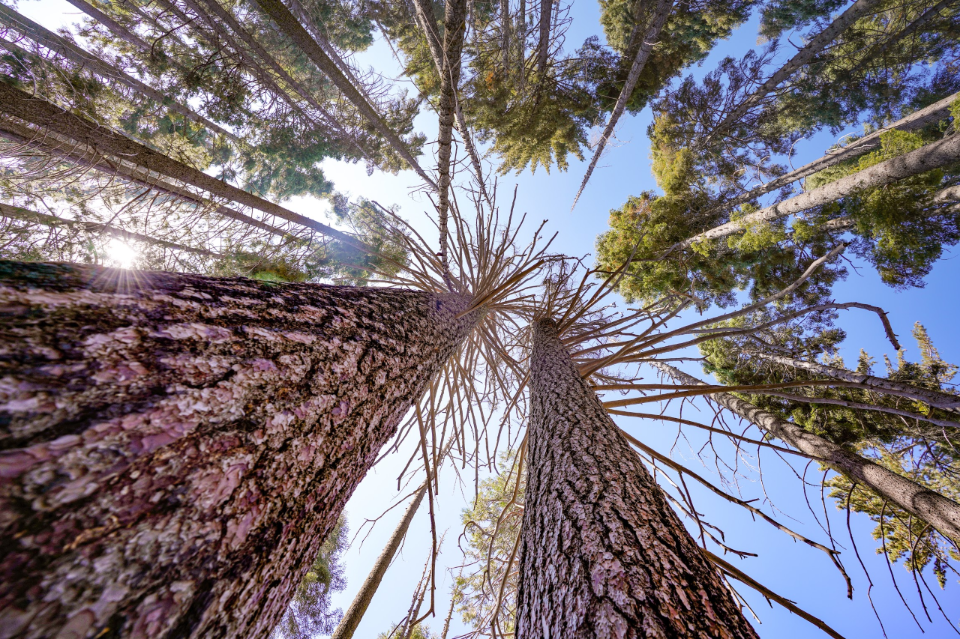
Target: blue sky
(795, 571)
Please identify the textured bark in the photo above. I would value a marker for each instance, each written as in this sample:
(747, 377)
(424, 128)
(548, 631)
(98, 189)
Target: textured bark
(48, 116)
(928, 157)
(62, 46)
(358, 607)
(602, 554)
(174, 446)
(934, 398)
(659, 18)
(932, 507)
(26, 215)
(802, 58)
(916, 120)
(288, 24)
(454, 28)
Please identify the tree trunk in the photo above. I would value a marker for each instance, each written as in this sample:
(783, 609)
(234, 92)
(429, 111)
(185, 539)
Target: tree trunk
(657, 20)
(916, 120)
(348, 625)
(289, 26)
(81, 155)
(802, 57)
(115, 27)
(62, 46)
(47, 116)
(931, 156)
(602, 554)
(175, 445)
(933, 398)
(26, 215)
(543, 46)
(454, 28)
(932, 507)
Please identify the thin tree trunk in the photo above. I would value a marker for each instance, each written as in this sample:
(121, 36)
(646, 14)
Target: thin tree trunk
(26, 215)
(924, 18)
(931, 156)
(602, 554)
(933, 398)
(932, 507)
(115, 27)
(47, 116)
(657, 20)
(82, 155)
(175, 445)
(454, 27)
(348, 625)
(543, 46)
(867, 143)
(505, 19)
(802, 57)
(62, 46)
(288, 24)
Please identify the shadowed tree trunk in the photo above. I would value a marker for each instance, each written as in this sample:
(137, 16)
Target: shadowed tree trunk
(602, 554)
(174, 446)
(932, 507)
(354, 615)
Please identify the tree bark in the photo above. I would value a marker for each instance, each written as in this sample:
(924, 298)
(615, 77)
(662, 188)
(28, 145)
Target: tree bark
(932, 507)
(348, 625)
(288, 24)
(115, 27)
(47, 116)
(175, 445)
(802, 57)
(602, 554)
(867, 143)
(933, 398)
(931, 156)
(657, 20)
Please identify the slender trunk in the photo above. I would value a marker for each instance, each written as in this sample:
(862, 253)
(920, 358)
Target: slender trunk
(290, 27)
(924, 18)
(867, 143)
(932, 507)
(505, 35)
(115, 27)
(47, 116)
(657, 20)
(933, 398)
(81, 155)
(803, 57)
(602, 554)
(932, 156)
(348, 625)
(543, 46)
(421, 10)
(227, 18)
(63, 47)
(175, 445)
(26, 215)
(454, 26)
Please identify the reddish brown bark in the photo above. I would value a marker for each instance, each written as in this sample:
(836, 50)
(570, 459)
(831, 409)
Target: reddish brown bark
(602, 554)
(174, 446)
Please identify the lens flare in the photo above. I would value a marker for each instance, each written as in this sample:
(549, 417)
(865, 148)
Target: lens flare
(121, 254)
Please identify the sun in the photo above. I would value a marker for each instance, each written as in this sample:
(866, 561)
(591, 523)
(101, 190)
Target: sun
(120, 254)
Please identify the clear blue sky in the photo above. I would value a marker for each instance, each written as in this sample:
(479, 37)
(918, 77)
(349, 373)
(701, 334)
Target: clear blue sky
(793, 570)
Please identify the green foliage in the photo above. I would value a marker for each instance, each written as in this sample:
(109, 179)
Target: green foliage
(309, 613)
(419, 631)
(784, 15)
